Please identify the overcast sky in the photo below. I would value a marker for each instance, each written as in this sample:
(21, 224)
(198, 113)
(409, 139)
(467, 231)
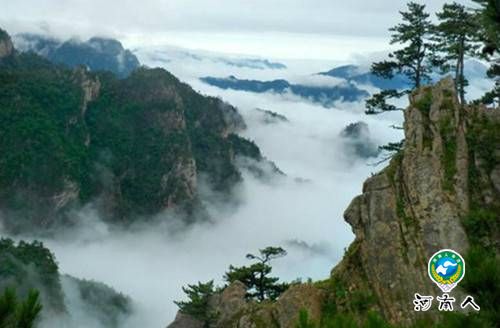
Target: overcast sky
(279, 28)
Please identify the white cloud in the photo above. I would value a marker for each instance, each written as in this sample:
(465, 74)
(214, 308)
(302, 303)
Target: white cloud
(151, 264)
(278, 28)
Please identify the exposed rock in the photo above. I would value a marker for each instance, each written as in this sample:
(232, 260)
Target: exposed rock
(185, 321)
(6, 47)
(230, 302)
(415, 206)
(234, 311)
(411, 209)
(67, 195)
(295, 299)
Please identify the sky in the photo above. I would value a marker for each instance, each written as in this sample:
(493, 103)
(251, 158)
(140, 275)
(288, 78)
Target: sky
(298, 29)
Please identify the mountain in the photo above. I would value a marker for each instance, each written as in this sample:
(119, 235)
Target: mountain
(25, 266)
(270, 117)
(96, 53)
(168, 54)
(252, 63)
(355, 74)
(357, 140)
(326, 96)
(474, 69)
(442, 191)
(132, 147)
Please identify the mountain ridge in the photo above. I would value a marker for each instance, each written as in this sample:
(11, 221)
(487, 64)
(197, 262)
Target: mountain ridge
(323, 95)
(96, 53)
(82, 133)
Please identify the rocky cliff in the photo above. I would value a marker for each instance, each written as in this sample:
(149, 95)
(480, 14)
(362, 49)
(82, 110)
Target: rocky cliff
(418, 204)
(6, 47)
(441, 191)
(131, 147)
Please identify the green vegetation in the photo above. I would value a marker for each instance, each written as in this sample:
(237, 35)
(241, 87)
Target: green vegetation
(455, 39)
(488, 19)
(445, 46)
(449, 157)
(425, 102)
(256, 276)
(28, 266)
(342, 320)
(198, 305)
(41, 149)
(411, 60)
(19, 314)
(136, 146)
(103, 302)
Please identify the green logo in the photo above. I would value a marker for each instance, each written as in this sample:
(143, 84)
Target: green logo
(446, 269)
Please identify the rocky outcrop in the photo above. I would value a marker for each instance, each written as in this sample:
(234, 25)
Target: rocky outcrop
(235, 311)
(417, 205)
(6, 47)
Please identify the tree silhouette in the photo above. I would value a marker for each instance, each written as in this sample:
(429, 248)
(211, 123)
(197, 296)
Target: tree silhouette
(256, 276)
(411, 60)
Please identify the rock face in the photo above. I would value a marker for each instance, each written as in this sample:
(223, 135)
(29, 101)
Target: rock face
(6, 47)
(415, 207)
(421, 203)
(234, 311)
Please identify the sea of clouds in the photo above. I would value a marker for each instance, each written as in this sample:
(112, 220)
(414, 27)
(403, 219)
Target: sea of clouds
(301, 211)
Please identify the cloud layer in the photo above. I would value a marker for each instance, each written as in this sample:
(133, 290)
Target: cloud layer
(278, 28)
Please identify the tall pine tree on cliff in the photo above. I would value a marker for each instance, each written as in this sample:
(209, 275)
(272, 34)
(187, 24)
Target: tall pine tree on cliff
(488, 17)
(455, 39)
(411, 60)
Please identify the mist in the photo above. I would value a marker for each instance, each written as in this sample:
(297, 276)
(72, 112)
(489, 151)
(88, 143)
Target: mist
(301, 211)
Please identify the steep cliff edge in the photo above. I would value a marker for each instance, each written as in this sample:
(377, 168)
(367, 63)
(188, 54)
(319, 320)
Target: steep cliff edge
(433, 195)
(417, 205)
(441, 191)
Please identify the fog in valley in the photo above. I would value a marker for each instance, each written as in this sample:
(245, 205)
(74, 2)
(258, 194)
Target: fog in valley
(301, 211)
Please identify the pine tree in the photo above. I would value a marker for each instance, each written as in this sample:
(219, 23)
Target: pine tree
(455, 39)
(198, 305)
(256, 276)
(411, 60)
(488, 17)
(15, 314)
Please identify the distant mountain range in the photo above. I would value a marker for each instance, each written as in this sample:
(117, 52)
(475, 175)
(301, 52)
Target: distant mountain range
(252, 63)
(355, 74)
(325, 95)
(169, 54)
(98, 54)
